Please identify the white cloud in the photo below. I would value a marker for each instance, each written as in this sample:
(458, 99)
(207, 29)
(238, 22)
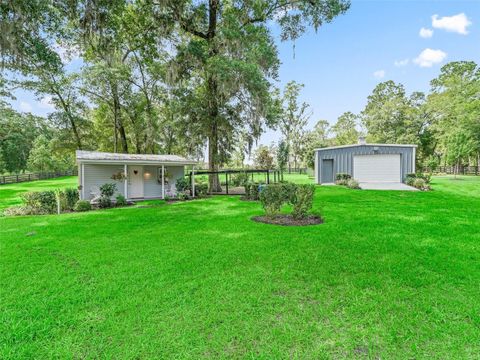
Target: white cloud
(400, 63)
(425, 33)
(428, 57)
(25, 106)
(456, 23)
(46, 103)
(379, 74)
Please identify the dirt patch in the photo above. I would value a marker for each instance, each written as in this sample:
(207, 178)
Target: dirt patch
(289, 220)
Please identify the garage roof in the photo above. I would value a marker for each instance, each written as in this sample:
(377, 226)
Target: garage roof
(358, 145)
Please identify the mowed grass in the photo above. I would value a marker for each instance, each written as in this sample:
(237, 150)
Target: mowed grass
(10, 193)
(391, 275)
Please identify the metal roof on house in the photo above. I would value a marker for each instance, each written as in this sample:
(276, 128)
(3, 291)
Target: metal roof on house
(357, 145)
(104, 157)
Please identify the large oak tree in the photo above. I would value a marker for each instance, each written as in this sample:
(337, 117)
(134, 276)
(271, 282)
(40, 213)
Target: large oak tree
(226, 56)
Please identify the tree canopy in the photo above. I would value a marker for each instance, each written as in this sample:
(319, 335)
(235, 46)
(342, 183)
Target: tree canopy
(200, 77)
(159, 76)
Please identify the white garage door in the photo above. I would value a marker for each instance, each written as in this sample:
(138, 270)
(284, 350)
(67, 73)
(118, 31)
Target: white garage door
(378, 168)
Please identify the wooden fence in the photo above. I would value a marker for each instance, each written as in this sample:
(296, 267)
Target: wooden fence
(462, 170)
(296, 170)
(11, 179)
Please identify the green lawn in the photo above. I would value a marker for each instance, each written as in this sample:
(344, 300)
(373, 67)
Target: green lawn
(388, 275)
(10, 194)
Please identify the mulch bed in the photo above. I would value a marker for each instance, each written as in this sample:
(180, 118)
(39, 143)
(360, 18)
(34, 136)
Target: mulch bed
(288, 220)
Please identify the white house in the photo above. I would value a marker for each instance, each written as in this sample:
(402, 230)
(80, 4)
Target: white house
(137, 176)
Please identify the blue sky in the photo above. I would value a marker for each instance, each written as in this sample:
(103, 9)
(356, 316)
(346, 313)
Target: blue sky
(337, 64)
(341, 63)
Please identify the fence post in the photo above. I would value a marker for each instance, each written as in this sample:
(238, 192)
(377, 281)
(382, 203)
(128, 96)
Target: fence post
(226, 181)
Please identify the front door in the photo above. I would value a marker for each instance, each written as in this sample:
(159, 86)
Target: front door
(135, 181)
(327, 171)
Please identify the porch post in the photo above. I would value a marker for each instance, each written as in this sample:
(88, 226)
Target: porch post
(414, 159)
(163, 181)
(193, 181)
(125, 181)
(82, 180)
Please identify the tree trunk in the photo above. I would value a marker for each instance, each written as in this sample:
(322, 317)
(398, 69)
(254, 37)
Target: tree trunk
(118, 120)
(123, 137)
(66, 108)
(136, 135)
(151, 131)
(212, 101)
(213, 179)
(75, 132)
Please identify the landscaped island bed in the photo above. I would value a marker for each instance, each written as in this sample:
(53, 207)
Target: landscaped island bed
(387, 275)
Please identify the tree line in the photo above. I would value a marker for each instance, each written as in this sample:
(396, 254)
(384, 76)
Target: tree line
(444, 123)
(195, 77)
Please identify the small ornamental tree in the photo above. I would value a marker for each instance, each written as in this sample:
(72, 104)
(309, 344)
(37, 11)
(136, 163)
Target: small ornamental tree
(263, 158)
(107, 190)
(282, 156)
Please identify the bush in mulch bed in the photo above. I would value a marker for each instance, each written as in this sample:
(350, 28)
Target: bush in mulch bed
(274, 197)
(342, 178)
(419, 181)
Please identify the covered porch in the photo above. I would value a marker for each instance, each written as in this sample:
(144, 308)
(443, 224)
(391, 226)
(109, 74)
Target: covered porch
(136, 176)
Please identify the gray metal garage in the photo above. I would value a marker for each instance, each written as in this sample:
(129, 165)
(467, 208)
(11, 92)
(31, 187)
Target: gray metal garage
(365, 162)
